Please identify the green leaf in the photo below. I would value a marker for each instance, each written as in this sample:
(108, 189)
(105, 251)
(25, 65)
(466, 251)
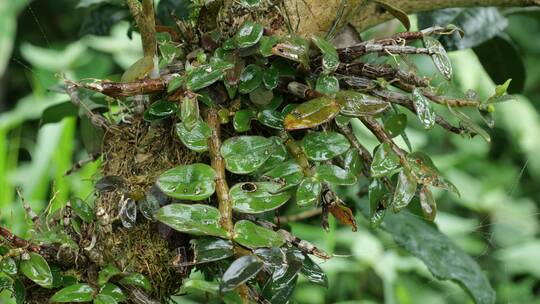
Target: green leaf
(242, 120)
(104, 299)
(74, 293)
(197, 138)
(311, 114)
(314, 273)
(427, 203)
(240, 271)
(137, 280)
(324, 145)
(106, 273)
(160, 110)
(175, 83)
(470, 124)
(294, 48)
(426, 172)
(356, 104)
(272, 119)
(206, 74)
(424, 109)
(377, 200)
(113, 291)
(353, 162)
(250, 79)
(57, 112)
(328, 85)
(501, 89)
(279, 288)
(395, 124)
(271, 77)
(261, 96)
(405, 190)
(444, 259)
(139, 69)
(209, 249)
(249, 34)
(308, 192)
(37, 270)
(396, 12)
(244, 154)
(251, 235)
(266, 44)
(330, 59)
(277, 156)
(335, 175)
(192, 285)
(193, 219)
(385, 161)
(287, 174)
(8, 266)
(257, 197)
(440, 58)
(19, 291)
(82, 209)
(189, 111)
(193, 182)
(6, 282)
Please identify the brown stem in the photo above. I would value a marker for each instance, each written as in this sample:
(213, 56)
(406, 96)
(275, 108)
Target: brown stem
(125, 89)
(218, 163)
(364, 153)
(16, 241)
(297, 153)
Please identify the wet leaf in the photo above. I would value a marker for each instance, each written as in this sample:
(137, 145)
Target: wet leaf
(8, 266)
(175, 83)
(293, 48)
(396, 124)
(128, 213)
(311, 114)
(261, 96)
(427, 202)
(249, 34)
(153, 199)
(162, 109)
(208, 249)
(308, 192)
(137, 280)
(104, 299)
(242, 120)
(266, 44)
(189, 111)
(277, 156)
(328, 85)
(251, 235)
(314, 273)
(6, 282)
(193, 219)
(343, 214)
(385, 161)
(257, 197)
(110, 183)
(321, 146)
(197, 138)
(272, 119)
(106, 273)
(405, 190)
(426, 172)
(424, 109)
(440, 58)
(270, 78)
(250, 79)
(353, 162)
(138, 70)
(113, 291)
(193, 182)
(396, 12)
(206, 74)
(192, 285)
(244, 154)
(356, 104)
(82, 209)
(279, 288)
(287, 174)
(335, 175)
(240, 271)
(37, 270)
(330, 58)
(74, 293)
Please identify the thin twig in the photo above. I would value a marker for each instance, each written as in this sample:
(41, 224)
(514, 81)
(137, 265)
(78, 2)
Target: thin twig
(364, 153)
(29, 211)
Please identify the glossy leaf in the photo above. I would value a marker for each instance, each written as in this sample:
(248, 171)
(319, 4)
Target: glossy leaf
(192, 219)
(440, 58)
(193, 182)
(137, 280)
(330, 57)
(311, 114)
(287, 174)
(189, 111)
(153, 199)
(244, 154)
(357, 104)
(104, 299)
(37, 270)
(251, 235)
(328, 85)
(113, 291)
(377, 202)
(6, 282)
(277, 157)
(278, 289)
(314, 273)
(396, 124)
(250, 79)
(424, 109)
(82, 209)
(293, 48)
(308, 192)
(272, 119)
(270, 78)
(396, 12)
(162, 109)
(343, 214)
(242, 120)
(257, 197)
(266, 44)
(385, 161)
(197, 138)
(405, 190)
(335, 175)
(209, 249)
(175, 83)
(321, 146)
(261, 96)
(353, 162)
(427, 203)
(139, 69)
(206, 74)
(249, 34)
(106, 273)
(240, 271)
(128, 212)
(8, 266)
(426, 172)
(74, 293)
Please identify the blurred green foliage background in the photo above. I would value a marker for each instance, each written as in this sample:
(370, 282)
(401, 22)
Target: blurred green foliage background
(496, 219)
